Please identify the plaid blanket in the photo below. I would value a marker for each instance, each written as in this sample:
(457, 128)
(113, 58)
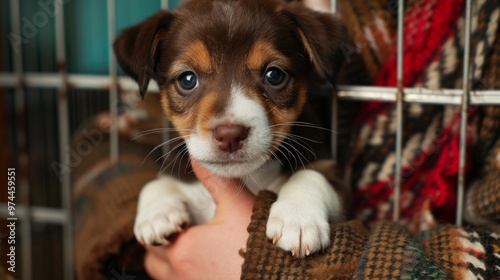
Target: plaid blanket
(433, 56)
(386, 251)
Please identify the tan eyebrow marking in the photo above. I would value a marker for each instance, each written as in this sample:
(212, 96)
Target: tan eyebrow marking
(261, 53)
(197, 56)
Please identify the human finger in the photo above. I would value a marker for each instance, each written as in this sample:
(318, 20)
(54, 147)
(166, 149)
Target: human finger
(156, 267)
(222, 189)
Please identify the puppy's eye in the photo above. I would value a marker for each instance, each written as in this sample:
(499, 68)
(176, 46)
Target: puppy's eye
(187, 81)
(275, 76)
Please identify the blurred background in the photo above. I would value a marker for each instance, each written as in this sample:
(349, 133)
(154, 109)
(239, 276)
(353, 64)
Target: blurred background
(30, 118)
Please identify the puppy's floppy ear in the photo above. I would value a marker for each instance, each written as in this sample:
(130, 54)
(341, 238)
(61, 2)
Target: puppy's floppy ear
(136, 48)
(322, 35)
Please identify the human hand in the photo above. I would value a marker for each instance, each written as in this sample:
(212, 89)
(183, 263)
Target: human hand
(209, 251)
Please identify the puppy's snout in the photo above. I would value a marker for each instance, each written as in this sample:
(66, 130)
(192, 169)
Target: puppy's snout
(229, 137)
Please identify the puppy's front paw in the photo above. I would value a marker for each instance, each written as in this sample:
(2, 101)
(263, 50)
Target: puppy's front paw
(158, 221)
(298, 228)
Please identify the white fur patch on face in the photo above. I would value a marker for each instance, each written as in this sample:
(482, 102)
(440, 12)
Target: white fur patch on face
(243, 111)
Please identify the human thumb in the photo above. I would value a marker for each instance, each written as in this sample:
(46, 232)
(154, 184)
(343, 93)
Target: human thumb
(226, 192)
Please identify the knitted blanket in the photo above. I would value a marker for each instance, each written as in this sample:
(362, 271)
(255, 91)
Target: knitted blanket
(386, 251)
(433, 57)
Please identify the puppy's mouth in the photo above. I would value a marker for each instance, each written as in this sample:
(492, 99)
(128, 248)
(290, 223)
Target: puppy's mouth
(233, 167)
(224, 162)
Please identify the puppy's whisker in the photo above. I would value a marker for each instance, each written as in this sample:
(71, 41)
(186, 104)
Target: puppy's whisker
(188, 162)
(193, 169)
(160, 145)
(163, 170)
(300, 155)
(239, 189)
(157, 130)
(255, 181)
(173, 162)
(292, 123)
(276, 147)
(296, 136)
(183, 154)
(275, 156)
(298, 141)
(303, 124)
(301, 144)
(287, 159)
(161, 167)
(172, 150)
(290, 153)
(292, 150)
(166, 156)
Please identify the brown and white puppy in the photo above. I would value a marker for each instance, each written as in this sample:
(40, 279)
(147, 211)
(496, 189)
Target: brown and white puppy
(234, 79)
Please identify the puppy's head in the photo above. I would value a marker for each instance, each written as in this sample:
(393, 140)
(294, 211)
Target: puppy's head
(233, 75)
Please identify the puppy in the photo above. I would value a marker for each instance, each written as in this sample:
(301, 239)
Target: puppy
(234, 79)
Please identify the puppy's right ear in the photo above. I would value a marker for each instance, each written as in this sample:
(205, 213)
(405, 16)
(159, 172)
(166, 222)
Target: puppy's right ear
(136, 48)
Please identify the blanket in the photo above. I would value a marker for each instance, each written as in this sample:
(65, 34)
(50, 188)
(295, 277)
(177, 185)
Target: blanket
(387, 250)
(433, 57)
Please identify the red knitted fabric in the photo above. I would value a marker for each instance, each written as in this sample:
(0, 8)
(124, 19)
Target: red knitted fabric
(433, 173)
(426, 27)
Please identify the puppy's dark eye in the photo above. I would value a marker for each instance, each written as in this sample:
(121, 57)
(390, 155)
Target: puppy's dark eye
(275, 76)
(187, 81)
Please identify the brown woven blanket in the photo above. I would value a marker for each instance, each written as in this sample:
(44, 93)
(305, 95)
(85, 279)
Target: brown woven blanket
(386, 251)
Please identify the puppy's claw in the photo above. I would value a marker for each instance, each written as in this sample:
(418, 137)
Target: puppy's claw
(308, 250)
(275, 240)
(140, 240)
(179, 228)
(157, 243)
(293, 252)
(171, 236)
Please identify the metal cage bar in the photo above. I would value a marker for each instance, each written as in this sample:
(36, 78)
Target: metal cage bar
(334, 105)
(420, 95)
(113, 89)
(399, 112)
(164, 4)
(38, 214)
(464, 114)
(441, 96)
(165, 136)
(333, 6)
(64, 136)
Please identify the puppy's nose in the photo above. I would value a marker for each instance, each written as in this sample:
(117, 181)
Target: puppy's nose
(229, 137)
